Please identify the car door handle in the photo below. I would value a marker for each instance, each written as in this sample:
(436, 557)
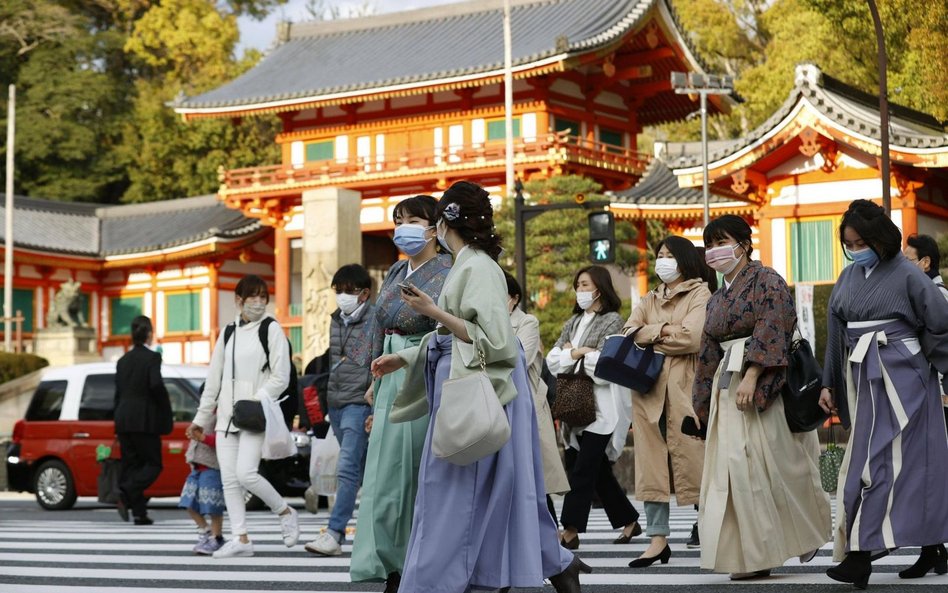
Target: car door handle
(80, 435)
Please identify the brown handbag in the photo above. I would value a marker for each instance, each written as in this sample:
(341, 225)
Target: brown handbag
(575, 402)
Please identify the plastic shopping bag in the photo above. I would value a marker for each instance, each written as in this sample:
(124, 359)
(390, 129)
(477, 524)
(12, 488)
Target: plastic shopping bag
(277, 441)
(108, 480)
(324, 454)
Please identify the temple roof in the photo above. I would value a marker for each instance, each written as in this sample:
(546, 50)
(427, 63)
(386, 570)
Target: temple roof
(841, 106)
(449, 43)
(101, 231)
(659, 187)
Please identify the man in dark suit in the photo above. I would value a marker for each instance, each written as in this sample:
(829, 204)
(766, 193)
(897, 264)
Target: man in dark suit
(142, 415)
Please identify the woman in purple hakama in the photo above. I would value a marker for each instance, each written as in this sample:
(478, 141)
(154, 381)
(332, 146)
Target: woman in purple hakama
(887, 329)
(483, 525)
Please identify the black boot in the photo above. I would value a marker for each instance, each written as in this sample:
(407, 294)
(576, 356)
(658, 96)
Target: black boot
(855, 569)
(392, 582)
(932, 558)
(568, 580)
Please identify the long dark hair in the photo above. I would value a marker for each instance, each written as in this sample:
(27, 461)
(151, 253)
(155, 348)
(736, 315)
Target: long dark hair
(609, 300)
(870, 222)
(690, 263)
(474, 219)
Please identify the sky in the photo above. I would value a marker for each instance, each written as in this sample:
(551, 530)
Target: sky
(260, 34)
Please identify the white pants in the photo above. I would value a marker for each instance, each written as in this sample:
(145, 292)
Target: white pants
(239, 456)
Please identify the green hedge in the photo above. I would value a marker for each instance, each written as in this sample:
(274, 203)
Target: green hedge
(14, 366)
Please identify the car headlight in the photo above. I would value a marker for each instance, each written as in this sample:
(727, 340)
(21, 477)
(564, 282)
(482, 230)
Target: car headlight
(13, 460)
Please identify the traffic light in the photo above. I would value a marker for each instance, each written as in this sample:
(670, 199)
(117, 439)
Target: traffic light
(602, 237)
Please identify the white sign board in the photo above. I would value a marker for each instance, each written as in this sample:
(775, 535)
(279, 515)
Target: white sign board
(804, 302)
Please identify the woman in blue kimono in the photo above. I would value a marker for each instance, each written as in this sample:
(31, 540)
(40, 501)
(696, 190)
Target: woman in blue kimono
(887, 329)
(394, 452)
(483, 525)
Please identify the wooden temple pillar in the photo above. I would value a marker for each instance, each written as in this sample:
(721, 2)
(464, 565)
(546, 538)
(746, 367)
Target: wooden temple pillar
(641, 270)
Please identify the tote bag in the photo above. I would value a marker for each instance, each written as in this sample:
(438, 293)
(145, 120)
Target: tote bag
(625, 363)
(575, 402)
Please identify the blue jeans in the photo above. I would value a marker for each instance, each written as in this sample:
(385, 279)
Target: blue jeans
(348, 424)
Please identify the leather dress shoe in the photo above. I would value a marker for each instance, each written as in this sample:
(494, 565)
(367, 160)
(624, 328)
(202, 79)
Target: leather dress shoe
(624, 539)
(663, 556)
(572, 544)
(568, 580)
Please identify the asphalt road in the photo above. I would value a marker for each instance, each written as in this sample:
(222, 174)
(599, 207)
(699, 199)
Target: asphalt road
(89, 550)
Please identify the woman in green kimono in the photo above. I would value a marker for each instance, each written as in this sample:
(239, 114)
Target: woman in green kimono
(394, 453)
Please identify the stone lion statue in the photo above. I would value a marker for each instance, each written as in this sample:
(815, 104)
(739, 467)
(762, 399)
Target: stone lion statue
(64, 310)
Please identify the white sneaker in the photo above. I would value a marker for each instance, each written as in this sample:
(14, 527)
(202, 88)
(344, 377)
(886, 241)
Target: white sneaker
(234, 549)
(290, 525)
(325, 545)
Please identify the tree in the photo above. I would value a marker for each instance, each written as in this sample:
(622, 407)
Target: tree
(557, 247)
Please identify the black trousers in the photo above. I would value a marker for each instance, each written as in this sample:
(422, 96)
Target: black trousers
(141, 465)
(590, 471)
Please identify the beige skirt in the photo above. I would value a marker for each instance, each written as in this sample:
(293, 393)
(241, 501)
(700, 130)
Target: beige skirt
(761, 501)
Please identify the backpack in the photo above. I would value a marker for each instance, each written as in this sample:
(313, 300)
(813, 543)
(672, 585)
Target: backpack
(291, 403)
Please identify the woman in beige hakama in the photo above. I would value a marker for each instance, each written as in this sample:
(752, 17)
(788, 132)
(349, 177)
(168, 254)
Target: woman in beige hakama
(761, 502)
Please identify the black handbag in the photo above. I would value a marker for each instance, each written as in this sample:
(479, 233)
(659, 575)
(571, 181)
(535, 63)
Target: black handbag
(625, 363)
(575, 402)
(248, 415)
(108, 481)
(801, 391)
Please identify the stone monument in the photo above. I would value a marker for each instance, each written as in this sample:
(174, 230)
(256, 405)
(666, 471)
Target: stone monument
(67, 338)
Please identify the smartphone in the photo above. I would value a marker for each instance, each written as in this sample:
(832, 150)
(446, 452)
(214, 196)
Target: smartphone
(690, 428)
(407, 287)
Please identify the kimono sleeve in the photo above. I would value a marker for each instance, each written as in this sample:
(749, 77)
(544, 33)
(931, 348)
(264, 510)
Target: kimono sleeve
(483, 307)
(931, 309)
(769, 343)
(709, 356)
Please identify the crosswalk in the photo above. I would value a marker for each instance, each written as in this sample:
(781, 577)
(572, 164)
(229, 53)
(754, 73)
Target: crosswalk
(67, 556)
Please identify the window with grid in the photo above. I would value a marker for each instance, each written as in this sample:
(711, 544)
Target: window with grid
(122, 310)
(22, 302)
(812, 251)
(320, 151)
(497, 129)
(614, 138)
(183, 312)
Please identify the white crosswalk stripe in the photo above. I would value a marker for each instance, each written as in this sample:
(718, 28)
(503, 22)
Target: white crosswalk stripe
(66, 556)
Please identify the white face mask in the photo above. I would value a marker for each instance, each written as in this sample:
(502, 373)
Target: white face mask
(585, 299)
(347, 303)
(667, 269)
(254, 311)
(441, 230)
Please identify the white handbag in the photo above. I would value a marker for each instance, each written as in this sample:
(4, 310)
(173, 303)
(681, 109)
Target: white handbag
(470, 424)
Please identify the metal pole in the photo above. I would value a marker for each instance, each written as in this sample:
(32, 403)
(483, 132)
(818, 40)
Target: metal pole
(8, 227)
(521, 243)
(704, 156)
(883, 106)
(508, 99)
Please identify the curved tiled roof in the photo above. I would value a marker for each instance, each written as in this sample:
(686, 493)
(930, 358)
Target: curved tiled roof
(842, 104)
(101, 231)
(322, 59)
(659, 187)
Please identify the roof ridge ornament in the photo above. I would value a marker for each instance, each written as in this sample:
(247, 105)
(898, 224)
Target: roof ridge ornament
(808, 74)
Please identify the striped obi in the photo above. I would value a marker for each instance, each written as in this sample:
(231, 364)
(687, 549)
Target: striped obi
(894, 481)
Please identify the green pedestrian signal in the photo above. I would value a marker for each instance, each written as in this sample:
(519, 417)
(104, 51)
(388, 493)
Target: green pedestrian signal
(602, 237)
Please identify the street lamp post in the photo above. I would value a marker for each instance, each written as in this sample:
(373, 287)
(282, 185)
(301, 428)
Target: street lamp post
(694, 83)
(883, 106)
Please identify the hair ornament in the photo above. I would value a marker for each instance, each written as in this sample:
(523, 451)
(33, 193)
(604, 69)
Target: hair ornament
(452, 211)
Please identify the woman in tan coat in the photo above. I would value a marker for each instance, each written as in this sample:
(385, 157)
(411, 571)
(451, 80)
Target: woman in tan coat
(671, 317)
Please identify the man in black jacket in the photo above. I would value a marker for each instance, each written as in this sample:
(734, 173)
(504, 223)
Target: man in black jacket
(142, 415)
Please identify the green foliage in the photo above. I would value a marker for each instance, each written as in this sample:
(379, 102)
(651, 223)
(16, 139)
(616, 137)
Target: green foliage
(93, 82)
(13, 366)
(557, 246)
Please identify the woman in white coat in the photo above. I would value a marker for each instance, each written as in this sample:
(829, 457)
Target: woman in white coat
(240, 370)
(593, 448)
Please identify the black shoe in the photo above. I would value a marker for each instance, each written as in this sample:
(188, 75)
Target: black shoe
(572, 544)
(122, 509)
(695, 541)
(746, 576)
(568, 580)
(145, 520)
(391, 583)
(624, 539)
(932, 558)
(663, 556)
(855, 569)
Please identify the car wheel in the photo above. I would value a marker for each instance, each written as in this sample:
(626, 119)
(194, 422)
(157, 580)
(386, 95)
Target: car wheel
(54, 486)
(252, 502)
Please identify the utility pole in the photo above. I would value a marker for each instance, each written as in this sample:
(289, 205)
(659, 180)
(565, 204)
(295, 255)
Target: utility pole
(694, 83)
(883, 107)
(508, 101)
(8, 227)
